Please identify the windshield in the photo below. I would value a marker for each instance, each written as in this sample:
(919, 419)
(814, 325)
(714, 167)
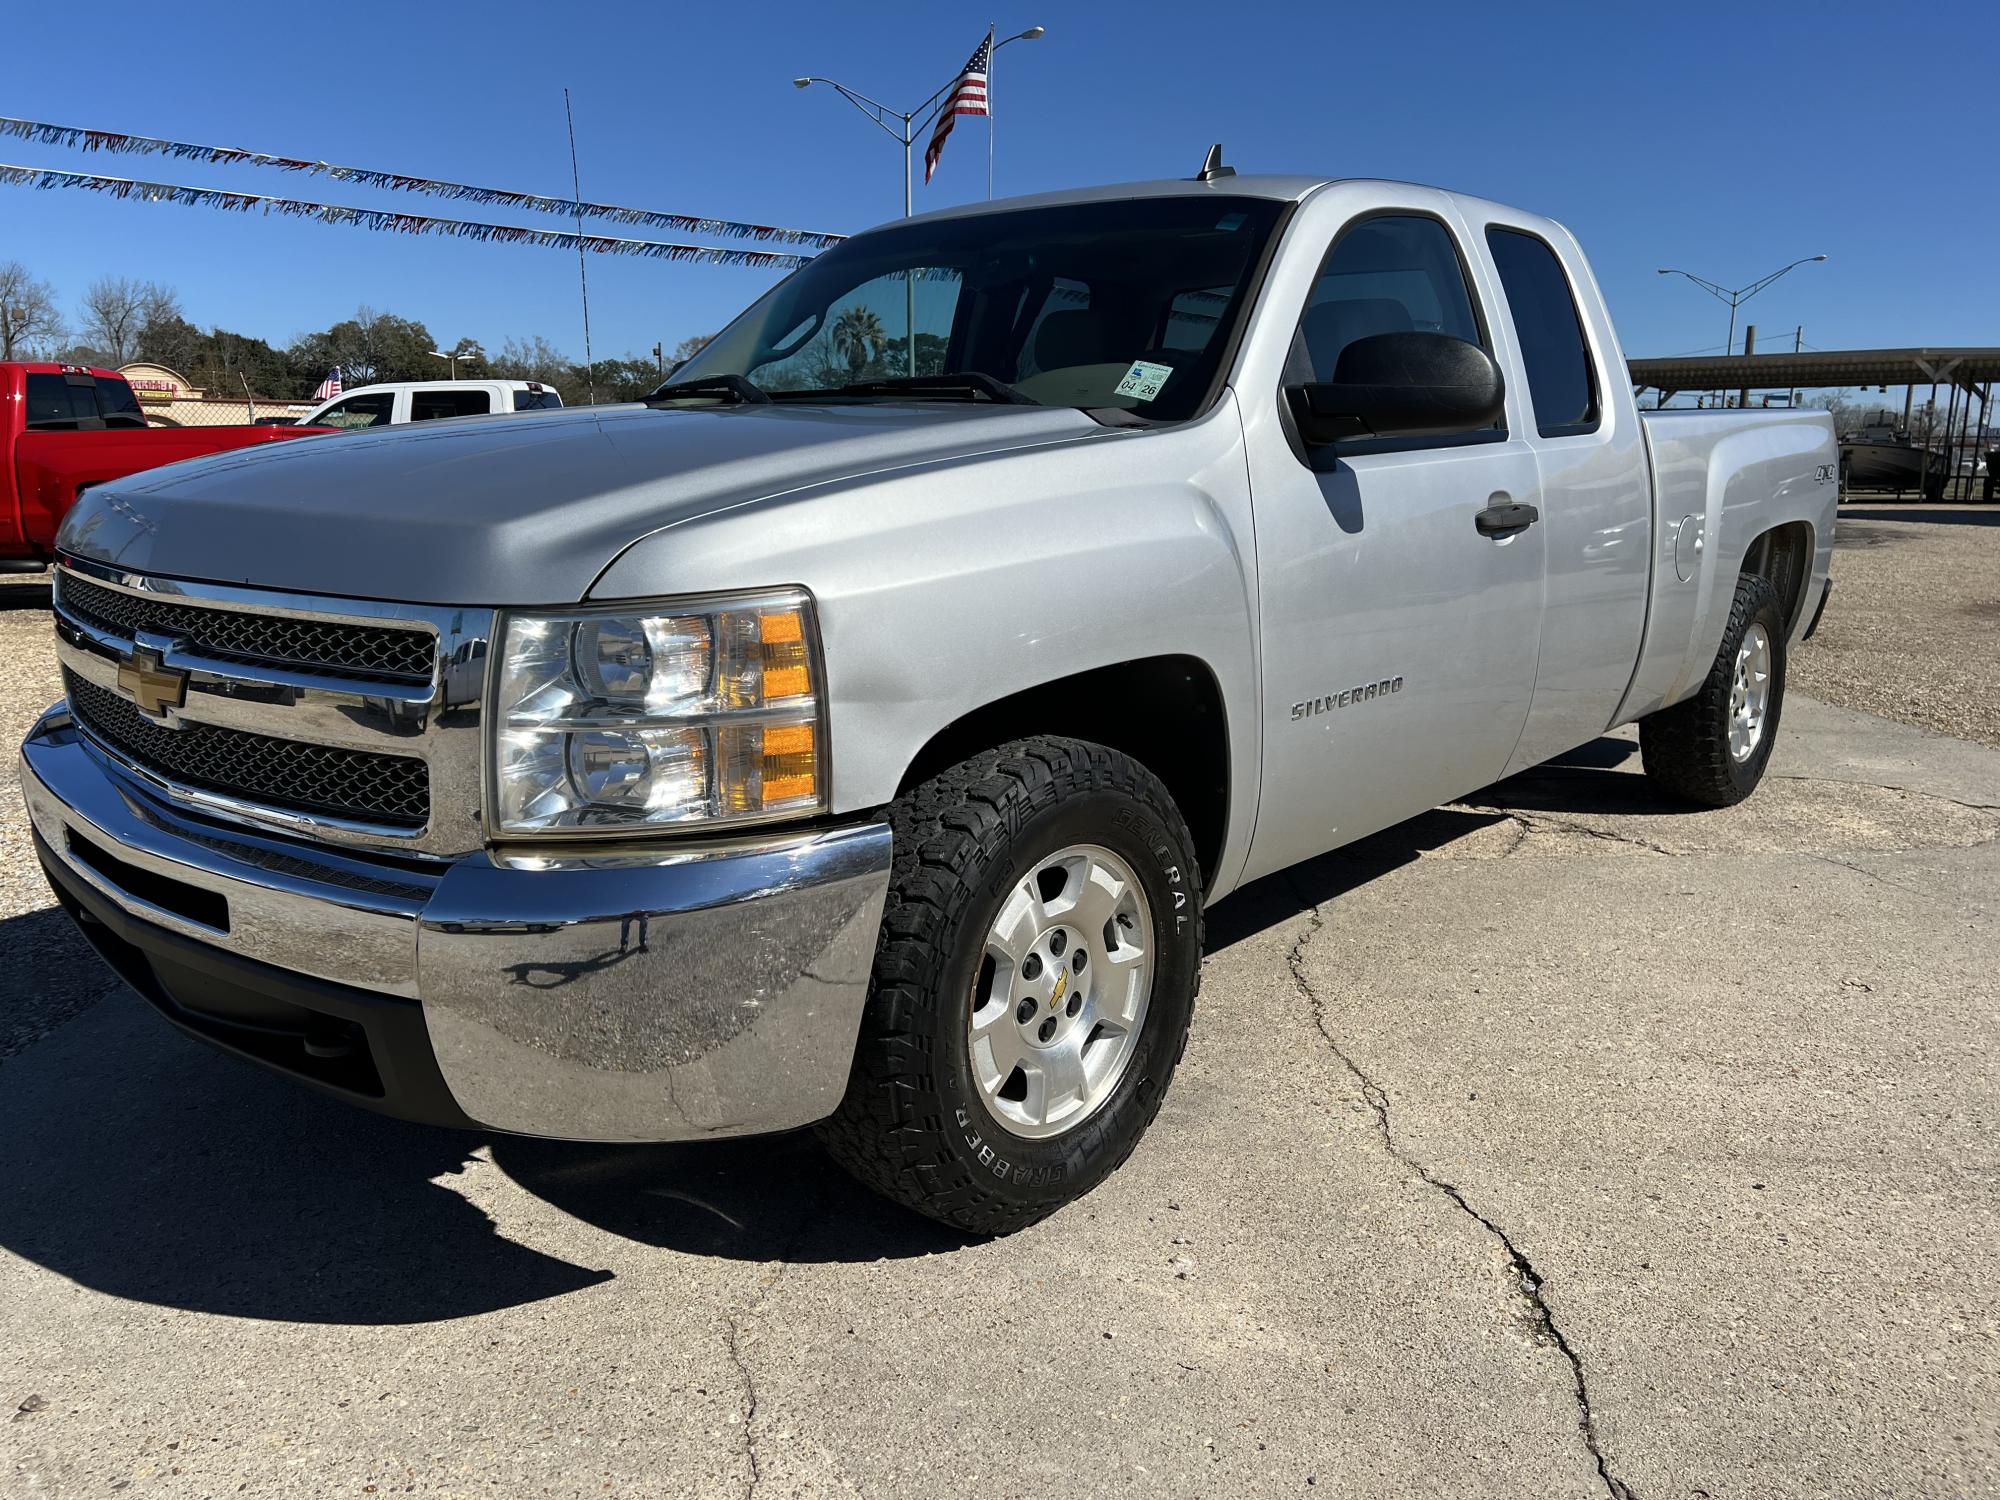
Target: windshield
(1125, 304)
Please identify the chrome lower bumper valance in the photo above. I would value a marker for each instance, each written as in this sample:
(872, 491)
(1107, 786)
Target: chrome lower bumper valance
(636, 993)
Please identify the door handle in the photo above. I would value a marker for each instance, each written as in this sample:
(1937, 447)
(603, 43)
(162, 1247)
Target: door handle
(1505, 520)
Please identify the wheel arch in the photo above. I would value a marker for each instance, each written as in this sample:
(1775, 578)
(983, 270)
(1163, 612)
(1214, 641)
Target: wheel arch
(1165, 712)
(1784, 554)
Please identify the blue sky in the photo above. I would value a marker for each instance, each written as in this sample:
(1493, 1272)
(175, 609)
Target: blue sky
(1727, 140)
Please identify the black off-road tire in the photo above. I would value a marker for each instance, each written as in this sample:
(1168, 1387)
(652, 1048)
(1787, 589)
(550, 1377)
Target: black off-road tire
(1685, 748)
(914, 1125)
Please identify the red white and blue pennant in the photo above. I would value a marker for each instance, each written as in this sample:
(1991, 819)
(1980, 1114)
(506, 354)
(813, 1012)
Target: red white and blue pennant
(47, 178)
(79, 138)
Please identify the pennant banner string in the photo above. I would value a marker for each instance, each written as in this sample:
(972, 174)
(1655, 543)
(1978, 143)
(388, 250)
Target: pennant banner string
(145, 145)
(45, 178)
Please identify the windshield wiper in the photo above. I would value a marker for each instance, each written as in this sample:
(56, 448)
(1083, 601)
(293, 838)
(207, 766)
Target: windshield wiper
(968, 385)
(733, 389)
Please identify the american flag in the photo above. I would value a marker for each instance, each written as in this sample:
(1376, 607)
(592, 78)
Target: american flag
(968, 97)
(329, 387)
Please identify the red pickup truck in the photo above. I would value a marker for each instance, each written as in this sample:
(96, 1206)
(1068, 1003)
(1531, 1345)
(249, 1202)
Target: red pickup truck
(64, 428)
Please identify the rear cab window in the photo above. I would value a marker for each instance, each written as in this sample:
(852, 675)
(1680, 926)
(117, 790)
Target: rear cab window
(78, 401)
(1562, 381)
(537, 398)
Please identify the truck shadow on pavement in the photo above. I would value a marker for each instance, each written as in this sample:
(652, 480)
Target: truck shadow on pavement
(140, 1164)
(1599, 777)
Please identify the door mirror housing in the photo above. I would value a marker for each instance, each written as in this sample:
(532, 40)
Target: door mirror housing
(1409, 384)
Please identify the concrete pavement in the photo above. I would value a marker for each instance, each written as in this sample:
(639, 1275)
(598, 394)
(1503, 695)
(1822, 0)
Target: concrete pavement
(1555, 1144)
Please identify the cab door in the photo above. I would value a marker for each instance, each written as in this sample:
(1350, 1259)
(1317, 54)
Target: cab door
(1399, 637)
(1597, 515)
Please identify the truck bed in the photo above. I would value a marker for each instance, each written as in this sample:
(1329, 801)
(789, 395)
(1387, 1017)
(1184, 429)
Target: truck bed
(1720, 479)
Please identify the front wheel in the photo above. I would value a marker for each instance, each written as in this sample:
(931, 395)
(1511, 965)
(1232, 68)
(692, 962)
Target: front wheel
(1033, 985)
(1712, 749)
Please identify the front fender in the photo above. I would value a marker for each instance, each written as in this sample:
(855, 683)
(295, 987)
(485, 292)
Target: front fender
(944, 588)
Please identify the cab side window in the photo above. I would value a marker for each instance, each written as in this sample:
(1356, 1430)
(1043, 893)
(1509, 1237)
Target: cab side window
(1391, 274)
(428, 406)
(1562, 383)
(373, 410)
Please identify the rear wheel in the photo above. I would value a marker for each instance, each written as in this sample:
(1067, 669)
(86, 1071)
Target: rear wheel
(1712, 749)
(1032, 989)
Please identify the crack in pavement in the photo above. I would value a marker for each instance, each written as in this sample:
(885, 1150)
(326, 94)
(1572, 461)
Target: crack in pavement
(1884, 786)
(733, 1334)
(1532, 825)
(1532, 1283)
(1868, 874)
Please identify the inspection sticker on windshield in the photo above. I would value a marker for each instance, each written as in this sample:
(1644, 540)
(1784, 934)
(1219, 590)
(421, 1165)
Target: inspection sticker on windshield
(1144, 380)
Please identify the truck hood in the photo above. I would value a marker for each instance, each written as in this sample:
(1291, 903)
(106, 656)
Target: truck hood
(511, 509)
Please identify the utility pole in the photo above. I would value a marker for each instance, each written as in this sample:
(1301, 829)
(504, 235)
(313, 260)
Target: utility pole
(1749, 348)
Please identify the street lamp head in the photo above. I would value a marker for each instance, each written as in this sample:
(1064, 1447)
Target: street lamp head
(802, 83)
(1034, 33)
(1819, 257)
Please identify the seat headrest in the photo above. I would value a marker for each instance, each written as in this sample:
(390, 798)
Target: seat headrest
(1067, 339)
(1332, 326)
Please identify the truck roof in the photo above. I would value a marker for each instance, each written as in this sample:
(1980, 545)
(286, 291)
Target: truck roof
(56, 367)
(445, 385)
(1282, 187)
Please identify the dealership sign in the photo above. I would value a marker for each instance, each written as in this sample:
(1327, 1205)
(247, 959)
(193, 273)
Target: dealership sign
(156, 385)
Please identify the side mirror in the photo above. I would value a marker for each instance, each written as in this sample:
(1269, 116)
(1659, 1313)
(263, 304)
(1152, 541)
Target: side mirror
(1401, 385)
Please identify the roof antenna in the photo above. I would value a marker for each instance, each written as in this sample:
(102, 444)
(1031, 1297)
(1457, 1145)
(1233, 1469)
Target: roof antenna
(1212, 167)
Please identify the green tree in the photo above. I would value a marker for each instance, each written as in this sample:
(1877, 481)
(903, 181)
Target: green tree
(858, 337)
(688, 348)
(370, 347)
(632, 378)
(535, 358)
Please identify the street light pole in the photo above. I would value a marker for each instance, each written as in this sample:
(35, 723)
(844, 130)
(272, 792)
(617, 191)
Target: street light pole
(455, 356)
(1737, 296)
(1032, 34)
(904, 133)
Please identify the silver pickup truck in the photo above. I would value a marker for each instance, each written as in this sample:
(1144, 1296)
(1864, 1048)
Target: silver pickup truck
(853, 733)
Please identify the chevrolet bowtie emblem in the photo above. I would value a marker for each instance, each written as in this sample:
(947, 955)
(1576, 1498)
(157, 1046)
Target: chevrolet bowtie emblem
(149, 682)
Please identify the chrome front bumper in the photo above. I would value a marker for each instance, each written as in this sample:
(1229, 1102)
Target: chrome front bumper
(623, 994)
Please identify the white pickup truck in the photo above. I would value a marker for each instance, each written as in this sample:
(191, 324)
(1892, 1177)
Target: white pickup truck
(854, 733)
(395, 402)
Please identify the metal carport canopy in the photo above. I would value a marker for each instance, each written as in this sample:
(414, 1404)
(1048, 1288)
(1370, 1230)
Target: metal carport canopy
(1825, 367)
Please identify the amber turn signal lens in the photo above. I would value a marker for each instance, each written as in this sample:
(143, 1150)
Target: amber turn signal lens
(791, 766)
(781, 636)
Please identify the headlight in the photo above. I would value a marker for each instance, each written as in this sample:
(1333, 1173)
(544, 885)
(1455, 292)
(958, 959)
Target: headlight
(634, 717)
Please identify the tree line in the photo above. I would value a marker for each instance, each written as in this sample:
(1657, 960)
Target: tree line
(122, 319)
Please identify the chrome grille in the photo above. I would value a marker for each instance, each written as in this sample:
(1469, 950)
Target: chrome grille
(325, 646)
(393, 790)
(349, 721)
